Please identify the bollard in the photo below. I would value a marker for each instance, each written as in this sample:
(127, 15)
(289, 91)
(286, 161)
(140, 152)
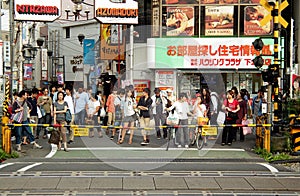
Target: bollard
(6, 133)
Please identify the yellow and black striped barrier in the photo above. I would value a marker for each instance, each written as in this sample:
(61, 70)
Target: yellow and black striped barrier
(6, 132)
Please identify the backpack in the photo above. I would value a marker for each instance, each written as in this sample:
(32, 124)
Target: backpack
(219, 102)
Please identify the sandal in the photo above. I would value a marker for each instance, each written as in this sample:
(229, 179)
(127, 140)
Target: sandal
(120, 142)
(130, 142)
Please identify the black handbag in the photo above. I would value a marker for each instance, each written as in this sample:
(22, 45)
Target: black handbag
(232, 115)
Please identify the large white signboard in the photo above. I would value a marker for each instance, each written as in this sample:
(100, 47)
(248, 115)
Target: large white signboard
(111, 12)
(205, 53)
(37, 10)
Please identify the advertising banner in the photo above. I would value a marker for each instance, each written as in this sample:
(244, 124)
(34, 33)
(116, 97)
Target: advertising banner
(139, 86)
(27, 71)
(219, 20)
(88, 51)
(205, 53)
(112, 44)
(180, 1)
(111, 12)
(180, 21)
(37, 10)
(252, 18)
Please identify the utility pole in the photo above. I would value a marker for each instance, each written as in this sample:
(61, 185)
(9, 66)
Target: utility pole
(275, 14)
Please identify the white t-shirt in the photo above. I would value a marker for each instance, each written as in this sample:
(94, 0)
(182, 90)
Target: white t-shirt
(200, 110)
(92, 105)
(70, 103)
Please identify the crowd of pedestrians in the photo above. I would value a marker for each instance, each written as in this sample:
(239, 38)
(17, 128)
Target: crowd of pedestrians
(121, 112)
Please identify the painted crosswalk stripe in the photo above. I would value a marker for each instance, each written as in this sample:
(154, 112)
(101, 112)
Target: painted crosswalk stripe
(271, 168)
(157, 149)
(5, 165)
(29, 167)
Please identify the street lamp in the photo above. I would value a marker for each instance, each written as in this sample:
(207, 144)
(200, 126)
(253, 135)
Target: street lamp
(80, 38)
(77, 9)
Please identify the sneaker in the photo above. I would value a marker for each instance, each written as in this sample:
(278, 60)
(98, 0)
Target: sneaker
(112, 137)
(145, 142)
(186, 146)
(35, 145)
(70, 142)
(158, 138)
(19, 147)
(179, 146)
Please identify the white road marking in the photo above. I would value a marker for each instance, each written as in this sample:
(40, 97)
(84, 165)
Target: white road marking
(271, 168)
(157, 149)
(29, 167)
(53, 151)
(5, 165)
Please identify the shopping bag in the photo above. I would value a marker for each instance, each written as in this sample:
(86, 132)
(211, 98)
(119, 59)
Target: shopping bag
(221, 118)
(102, 112)
(17, 117)
(173, 118)
(246, 130)
(54, 137)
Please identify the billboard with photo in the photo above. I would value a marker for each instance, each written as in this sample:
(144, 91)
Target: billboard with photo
(180, 21)
(252, 17)
(219, 20)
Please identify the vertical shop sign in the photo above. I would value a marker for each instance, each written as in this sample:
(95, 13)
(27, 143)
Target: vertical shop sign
(219, 20)
(44, 60)
(252, 18)
(112, 42)
(180, 21)
(155, 18)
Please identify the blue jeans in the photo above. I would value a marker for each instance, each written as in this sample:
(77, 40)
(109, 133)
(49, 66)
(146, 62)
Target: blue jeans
(26, 130)
(80, 117)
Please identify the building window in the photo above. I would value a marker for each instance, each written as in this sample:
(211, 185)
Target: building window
(68, 32)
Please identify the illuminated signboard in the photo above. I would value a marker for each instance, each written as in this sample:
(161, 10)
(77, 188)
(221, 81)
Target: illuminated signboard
(110, 12)
(37, 10)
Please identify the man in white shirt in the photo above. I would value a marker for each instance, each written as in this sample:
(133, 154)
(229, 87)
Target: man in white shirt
(69, 99)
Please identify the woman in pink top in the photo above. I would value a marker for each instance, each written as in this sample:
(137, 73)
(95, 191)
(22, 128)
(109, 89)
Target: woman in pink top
(110, 109)
(229, 105)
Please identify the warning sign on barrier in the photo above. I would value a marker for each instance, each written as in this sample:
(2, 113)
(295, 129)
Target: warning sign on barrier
(81, 131)
(209, 131)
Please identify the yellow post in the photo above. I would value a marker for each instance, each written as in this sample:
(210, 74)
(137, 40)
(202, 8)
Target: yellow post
(267, 140)
(6, 132)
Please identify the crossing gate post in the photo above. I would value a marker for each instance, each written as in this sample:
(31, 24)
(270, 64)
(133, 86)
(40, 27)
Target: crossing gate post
(6, 132)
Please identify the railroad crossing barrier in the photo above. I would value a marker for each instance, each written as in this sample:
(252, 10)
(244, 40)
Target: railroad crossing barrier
(6, 131)
(295, 132)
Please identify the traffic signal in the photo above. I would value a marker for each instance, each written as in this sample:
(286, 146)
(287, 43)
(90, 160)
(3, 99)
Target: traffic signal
(267, 75)
(258, 61)
(271, 74)
(258, 44)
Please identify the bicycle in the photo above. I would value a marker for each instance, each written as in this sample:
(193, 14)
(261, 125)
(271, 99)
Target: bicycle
(199, 135)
